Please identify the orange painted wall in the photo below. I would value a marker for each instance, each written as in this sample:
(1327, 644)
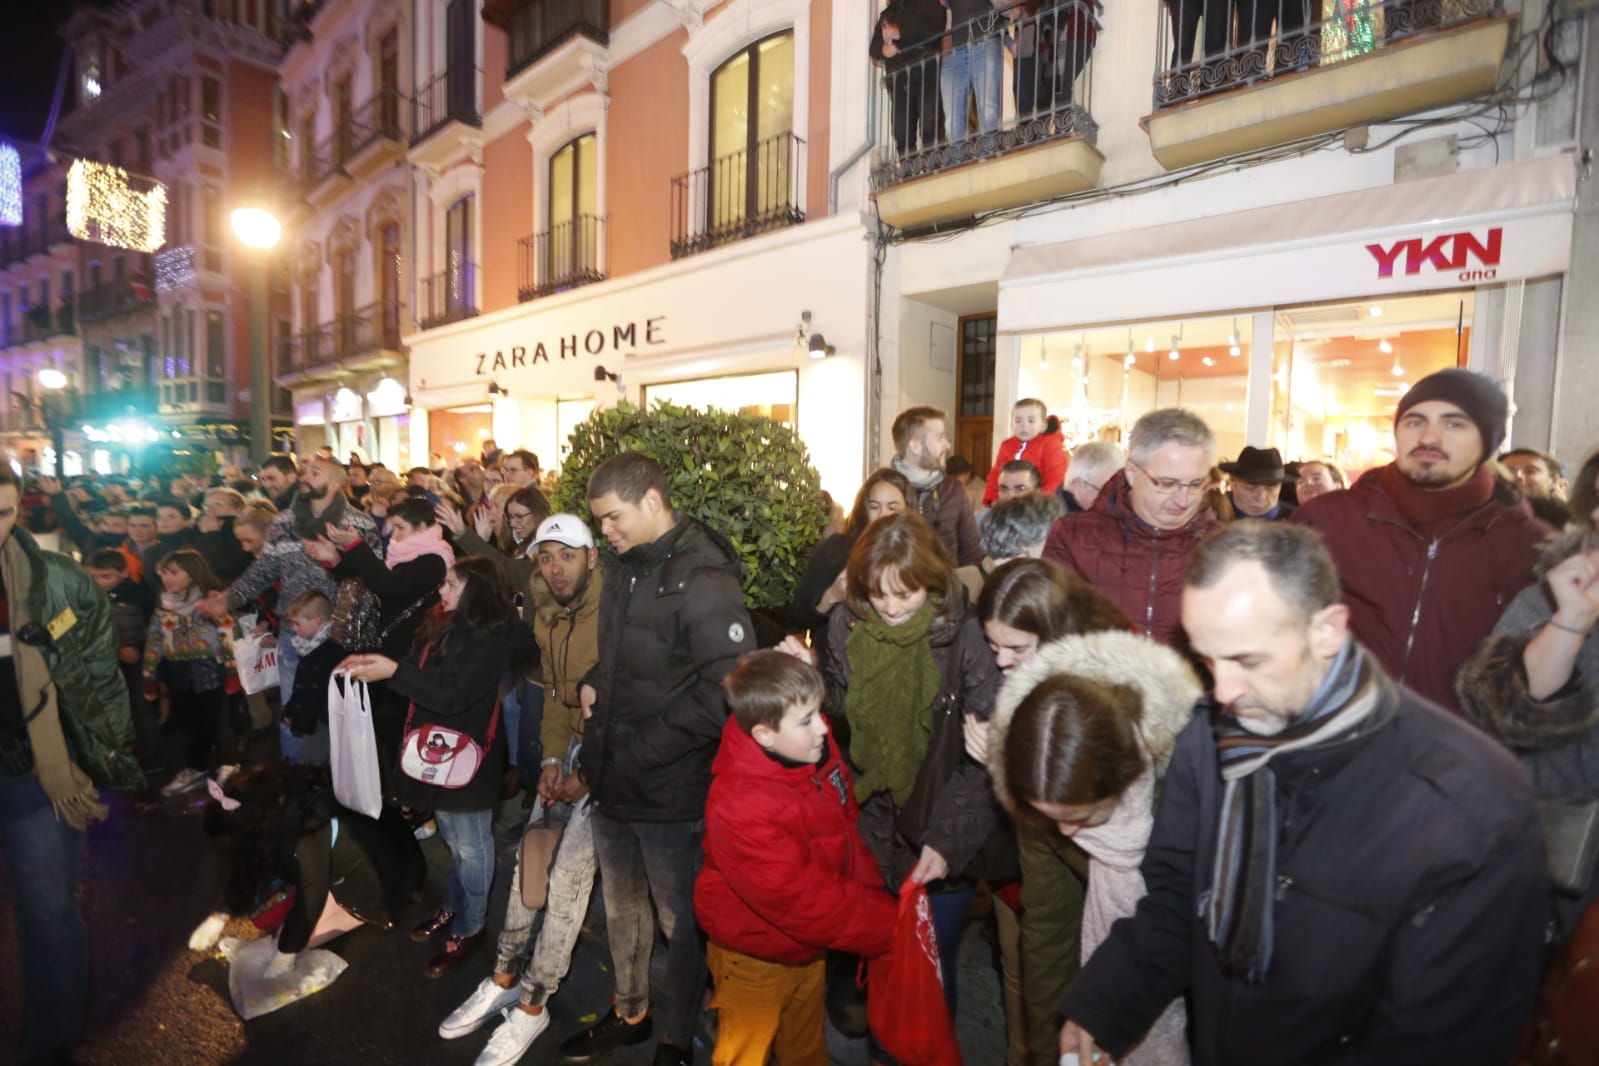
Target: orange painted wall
(817, 135)
(647, 147)
(506, 212)
(621, 10)
(496, 46)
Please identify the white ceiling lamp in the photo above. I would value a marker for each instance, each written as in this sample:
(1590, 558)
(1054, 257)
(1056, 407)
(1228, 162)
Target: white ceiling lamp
(1149, 345)
(1376, 311)
(1208, 361)
(1232, 341)
(1384, 347)
(1175, 354)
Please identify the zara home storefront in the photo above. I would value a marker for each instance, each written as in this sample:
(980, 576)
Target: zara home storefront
(1299, 325)
(717, 329)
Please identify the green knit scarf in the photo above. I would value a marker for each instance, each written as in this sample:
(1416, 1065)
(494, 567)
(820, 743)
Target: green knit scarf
(893, 683)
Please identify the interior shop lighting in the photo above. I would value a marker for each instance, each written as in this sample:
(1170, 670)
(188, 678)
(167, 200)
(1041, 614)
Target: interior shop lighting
(1174, 354)
(1232, 341)
(1384, 347)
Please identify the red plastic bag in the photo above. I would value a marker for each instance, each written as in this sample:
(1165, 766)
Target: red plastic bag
(905, 1007)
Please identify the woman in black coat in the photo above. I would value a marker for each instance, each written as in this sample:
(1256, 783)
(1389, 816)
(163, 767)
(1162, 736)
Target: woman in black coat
(453, 749)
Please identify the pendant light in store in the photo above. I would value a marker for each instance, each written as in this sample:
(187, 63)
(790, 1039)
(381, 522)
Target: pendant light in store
(1175, 354)
(1080, 422)
(1232, 341)
(1208, 361)
(1043, 356)
(1131, 358)
(1149, 343)
(1384, 347)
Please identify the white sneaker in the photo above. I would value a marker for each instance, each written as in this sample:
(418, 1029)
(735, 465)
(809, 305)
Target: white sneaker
(513, 1037)
(185, 780)
(487, 1000)
(426, 830)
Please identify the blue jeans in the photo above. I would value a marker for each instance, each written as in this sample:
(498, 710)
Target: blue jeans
(974, 68)
(523, 711)
(288, 663)
(949, 921)
(470, 837)
(41, 861)
(659, 860)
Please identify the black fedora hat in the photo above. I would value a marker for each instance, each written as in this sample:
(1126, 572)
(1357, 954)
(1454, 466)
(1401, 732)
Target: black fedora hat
(1259, 466)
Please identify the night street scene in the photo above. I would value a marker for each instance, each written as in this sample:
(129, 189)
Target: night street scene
(814, 532)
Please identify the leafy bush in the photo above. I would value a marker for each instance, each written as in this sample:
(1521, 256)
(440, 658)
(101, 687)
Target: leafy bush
(745, 476)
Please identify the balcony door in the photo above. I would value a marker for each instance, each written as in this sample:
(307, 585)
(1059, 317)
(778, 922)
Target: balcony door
(461, 52)
(344, 299)
(388, 79)
(752, 127)
(343, 112)
(458, 279)
(572, 245)
(389, 265)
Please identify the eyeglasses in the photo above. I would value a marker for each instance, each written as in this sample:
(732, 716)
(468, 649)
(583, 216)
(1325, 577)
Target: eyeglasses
(1170, 486)
(515, 516)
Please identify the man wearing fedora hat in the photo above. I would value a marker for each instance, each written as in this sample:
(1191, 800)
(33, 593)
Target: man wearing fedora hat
(1431, 547)
(1257, 484)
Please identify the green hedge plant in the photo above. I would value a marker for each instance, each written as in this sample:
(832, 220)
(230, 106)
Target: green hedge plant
(745, 476)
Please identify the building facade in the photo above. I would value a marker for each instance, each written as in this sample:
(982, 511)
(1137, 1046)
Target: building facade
(644, 201)
(180, 92)
(346, 113)
(1280, 225)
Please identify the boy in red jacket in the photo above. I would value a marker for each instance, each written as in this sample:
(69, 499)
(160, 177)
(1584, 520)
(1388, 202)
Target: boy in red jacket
(786, 872)
(1037, 439)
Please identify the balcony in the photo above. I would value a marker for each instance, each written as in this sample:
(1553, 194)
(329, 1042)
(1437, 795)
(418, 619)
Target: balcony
(27, 241)
(554, 47)
(740, 195)
(1036, 145)
(42, 324)
(124, 296)
(1304, 68)
(376, 137)
(444, 118)
(323, 169)
(449, 296)
(366, 338)
(563, 257)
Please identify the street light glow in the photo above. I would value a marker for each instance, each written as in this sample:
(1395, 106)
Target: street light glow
(51, 378)
(256, 227)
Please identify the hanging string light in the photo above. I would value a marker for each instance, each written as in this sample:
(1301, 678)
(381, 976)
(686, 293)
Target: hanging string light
(104, 206)
(174, 268)
(10, 186)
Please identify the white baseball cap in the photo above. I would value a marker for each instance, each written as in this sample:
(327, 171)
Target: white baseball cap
(566, 529)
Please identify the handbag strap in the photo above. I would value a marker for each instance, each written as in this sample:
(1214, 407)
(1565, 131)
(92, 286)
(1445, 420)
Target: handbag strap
(494, 719)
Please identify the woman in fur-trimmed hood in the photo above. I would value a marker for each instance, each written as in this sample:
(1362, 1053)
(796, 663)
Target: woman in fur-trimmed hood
(1082, 732)
(1534, 683)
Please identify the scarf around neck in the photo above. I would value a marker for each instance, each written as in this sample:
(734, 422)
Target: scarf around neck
(1433, 512)
(424, 540)
(923, 481)
(70, 790)
(310, 526)
(306, 645)
(1237, 909)
(181, 604)
(889, 703)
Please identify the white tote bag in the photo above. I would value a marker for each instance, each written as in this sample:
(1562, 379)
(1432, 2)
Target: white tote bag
(353, 746)
(258, 665)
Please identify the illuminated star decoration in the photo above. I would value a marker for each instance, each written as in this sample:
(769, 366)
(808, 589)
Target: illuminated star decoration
(103, 206)
(10, 186)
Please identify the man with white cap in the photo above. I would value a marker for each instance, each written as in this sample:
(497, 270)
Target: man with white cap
(566, 603)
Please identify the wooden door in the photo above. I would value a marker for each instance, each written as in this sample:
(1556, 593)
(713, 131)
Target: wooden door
(974, 417)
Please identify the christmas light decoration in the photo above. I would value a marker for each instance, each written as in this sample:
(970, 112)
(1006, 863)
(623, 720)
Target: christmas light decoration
(174, 268)
(10, 186)
(104, 206)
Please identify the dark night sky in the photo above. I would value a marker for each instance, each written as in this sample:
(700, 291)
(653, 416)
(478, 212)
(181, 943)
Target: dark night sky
(30, 56)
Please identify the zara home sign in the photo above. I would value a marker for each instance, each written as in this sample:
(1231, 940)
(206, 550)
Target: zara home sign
(624, 337)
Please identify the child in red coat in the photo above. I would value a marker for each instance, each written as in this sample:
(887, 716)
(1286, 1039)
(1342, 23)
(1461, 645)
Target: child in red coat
(1037, 440)
(786, 872)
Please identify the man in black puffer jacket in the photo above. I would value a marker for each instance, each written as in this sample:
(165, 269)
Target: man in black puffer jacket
(672, 625)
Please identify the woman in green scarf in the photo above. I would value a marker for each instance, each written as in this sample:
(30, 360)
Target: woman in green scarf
(908, 659)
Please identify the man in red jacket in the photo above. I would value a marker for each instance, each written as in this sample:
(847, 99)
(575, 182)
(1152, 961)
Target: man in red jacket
(1133, 543)
(1432, 547)
(786, 872)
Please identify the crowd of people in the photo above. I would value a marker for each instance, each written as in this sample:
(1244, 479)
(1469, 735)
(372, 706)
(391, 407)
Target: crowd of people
(1248, 762)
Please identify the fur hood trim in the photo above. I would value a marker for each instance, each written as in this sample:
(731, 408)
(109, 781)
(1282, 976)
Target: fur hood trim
(1163, 679)
(1562, 546)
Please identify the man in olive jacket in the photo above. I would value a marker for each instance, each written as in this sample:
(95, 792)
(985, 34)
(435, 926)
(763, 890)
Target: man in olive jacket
(64, 729)
(672, 626)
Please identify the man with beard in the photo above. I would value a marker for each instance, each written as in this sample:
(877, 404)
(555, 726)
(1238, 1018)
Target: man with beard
(1339, 871)
(320, 503)
(920, 443)
(279, 479)
(1431, 547)
(566, 597)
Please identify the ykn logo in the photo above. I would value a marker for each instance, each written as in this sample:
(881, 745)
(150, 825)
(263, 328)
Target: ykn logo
(1449, 252)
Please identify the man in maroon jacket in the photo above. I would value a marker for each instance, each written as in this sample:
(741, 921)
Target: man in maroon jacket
(921, 442)
(1431, 547)
(1133, 543)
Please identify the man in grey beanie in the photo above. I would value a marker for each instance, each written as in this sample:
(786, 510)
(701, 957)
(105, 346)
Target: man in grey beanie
(1431, 547)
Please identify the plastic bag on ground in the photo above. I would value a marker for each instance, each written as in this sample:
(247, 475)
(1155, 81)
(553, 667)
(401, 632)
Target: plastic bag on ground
(256, 992)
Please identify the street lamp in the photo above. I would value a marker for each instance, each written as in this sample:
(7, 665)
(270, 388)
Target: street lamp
(51, 413)
(258, 229)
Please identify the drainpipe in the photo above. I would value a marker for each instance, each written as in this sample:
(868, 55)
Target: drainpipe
(857, 155)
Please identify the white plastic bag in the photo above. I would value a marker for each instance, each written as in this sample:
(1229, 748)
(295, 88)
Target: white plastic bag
(258, 665)
(353, 746)
(256, 991)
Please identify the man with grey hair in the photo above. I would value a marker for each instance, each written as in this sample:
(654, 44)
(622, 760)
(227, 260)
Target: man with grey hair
(1339, 870)
(1146, 519)
(1092, 465)
(1018, 527)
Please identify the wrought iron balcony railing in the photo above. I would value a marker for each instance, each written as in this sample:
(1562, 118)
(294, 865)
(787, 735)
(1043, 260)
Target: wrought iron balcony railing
(375, 327)
(115, 298)
(739, 195)
(449, 296)
(450, 97)
(539, 27)
(563, 257)
(919, 132)
(1205, 46)
(378, 118)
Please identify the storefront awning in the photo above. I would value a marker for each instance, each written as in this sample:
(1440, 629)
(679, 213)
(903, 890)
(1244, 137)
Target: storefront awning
(1480, 227)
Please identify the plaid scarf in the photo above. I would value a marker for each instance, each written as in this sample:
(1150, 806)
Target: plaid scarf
(1238, 907)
